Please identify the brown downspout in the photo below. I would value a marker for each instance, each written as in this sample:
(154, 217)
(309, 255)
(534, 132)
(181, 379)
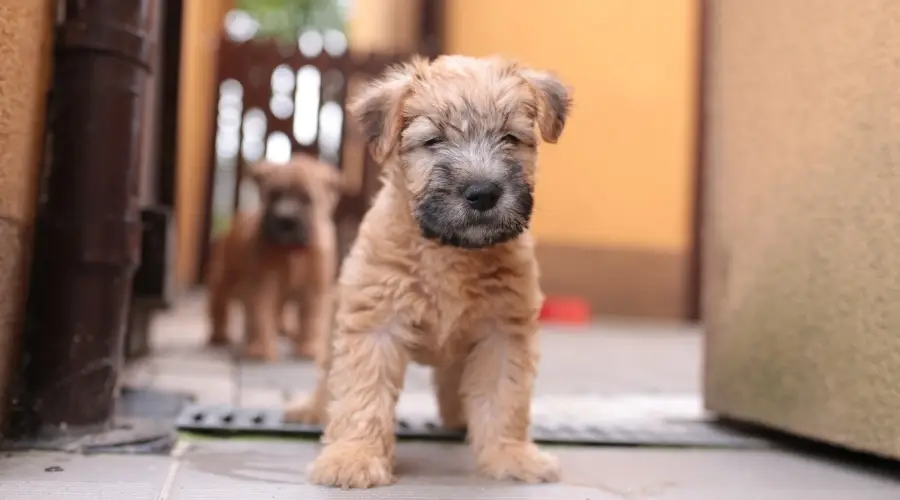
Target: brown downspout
(89, 227)
(153, 288)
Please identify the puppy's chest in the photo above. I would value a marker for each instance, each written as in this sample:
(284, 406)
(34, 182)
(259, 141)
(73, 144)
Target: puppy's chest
(455, 305)
(297, 272)
(442, 328)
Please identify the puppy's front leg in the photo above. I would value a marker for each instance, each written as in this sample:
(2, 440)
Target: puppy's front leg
(364, 382)
(217, 310)
(497, 386)
(261, 309)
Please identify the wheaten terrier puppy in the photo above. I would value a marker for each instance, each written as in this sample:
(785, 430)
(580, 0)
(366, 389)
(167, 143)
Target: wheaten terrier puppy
(443, 271)
(286, 251)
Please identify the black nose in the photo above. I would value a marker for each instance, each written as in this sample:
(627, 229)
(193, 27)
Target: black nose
(482, 196)
(286, 224)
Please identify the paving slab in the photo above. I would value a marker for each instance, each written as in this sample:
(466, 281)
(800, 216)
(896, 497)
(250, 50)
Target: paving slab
(54, 475)
(275, 470)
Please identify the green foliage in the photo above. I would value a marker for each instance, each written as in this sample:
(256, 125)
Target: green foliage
(286, 18)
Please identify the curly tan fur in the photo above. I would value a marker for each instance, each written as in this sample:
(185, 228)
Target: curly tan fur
(264, 276)
(430, 281)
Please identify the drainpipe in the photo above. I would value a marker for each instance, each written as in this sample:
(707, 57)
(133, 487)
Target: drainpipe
(88, 239)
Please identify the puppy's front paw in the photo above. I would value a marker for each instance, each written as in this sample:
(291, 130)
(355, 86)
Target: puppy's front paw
(218, 338)
(260, 352)
(308, 411)
(523, 462)
(350, 465)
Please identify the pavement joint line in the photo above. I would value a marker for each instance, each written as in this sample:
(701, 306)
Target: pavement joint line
(180, 448)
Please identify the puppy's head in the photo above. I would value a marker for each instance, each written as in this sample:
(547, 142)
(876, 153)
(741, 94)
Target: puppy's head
(295, 196)
(462, 136)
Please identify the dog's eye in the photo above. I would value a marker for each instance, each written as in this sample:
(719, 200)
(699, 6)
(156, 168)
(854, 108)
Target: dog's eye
(511, 140)
(434, 141)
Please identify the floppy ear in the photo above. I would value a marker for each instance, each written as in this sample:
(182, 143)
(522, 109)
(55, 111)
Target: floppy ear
(335, 181)
(378, 108)
(259, 171)
(554, 102)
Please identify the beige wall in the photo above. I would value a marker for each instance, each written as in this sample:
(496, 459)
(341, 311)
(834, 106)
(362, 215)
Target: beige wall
(802, 268)
(26, 46)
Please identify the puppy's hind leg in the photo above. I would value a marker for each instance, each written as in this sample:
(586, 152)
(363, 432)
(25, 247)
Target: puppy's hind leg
(312, 409)
(497, 384)
(316, 333)
(447, 381)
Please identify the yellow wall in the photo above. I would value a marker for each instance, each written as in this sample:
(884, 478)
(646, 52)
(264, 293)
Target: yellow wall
(621, 174)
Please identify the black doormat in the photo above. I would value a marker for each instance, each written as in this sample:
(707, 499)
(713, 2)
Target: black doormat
(622, 420)
(152, 403)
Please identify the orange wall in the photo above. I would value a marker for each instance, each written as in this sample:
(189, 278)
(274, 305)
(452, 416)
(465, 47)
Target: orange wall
(203, 20)
(621, 174)
(25, 78)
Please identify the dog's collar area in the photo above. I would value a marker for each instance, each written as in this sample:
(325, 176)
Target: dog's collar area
(291, 247)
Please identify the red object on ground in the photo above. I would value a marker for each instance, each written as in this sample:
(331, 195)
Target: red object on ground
(572, 310)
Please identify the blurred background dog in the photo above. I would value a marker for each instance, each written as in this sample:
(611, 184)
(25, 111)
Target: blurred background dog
(283, 253)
